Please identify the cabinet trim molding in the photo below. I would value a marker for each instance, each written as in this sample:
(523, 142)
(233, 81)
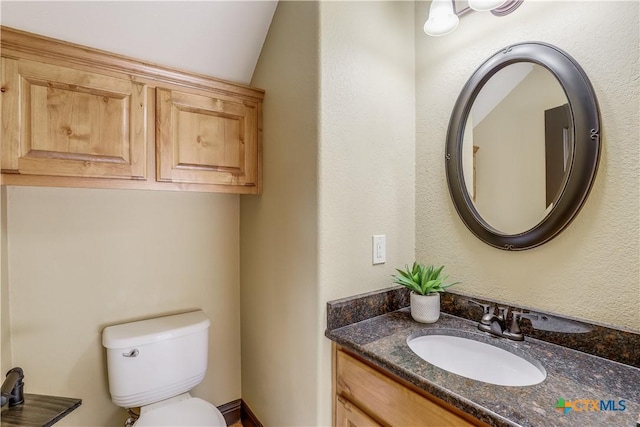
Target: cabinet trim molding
(21, 44)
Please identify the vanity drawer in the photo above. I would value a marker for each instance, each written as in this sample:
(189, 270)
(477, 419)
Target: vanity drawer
(386, 400)
(349, 415)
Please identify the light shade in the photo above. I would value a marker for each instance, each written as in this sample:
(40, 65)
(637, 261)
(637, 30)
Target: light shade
(486, 5)
(442, 19)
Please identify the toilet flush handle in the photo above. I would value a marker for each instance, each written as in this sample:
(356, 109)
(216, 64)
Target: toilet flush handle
(132, 353)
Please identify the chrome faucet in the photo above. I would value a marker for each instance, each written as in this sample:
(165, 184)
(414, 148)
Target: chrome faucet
(496, 324)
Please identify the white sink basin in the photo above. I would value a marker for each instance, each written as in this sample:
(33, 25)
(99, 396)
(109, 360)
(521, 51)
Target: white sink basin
(476, 360)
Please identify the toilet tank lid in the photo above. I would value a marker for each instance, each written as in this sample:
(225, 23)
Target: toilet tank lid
(153, 330)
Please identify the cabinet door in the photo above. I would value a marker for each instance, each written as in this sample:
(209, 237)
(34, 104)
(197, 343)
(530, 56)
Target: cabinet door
(204, 139)
(392, 403)
(61, 121)
(348, 415)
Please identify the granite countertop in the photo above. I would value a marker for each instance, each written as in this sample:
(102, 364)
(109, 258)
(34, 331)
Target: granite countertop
(571, 375)
(38, 411)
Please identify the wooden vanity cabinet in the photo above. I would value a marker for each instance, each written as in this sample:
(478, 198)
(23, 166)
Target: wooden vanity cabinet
(348, 415)
(367, 396)
(73, 116)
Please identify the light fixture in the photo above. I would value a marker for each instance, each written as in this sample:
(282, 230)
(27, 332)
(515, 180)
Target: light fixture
(486, 5)
(444, 18)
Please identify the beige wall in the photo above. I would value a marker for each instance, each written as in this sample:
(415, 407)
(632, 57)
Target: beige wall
(339, 168)
(591, 270)
(279, 230)
(80, 260)
(340, 164)
(5, 332)
(367, 154)
(515, 148)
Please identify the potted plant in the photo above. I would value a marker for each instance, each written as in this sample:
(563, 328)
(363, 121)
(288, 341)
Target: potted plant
(426, 283)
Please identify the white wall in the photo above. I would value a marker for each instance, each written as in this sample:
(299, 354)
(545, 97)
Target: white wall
(81, 259)
(217, 38)
(339, 168)
(591, 270)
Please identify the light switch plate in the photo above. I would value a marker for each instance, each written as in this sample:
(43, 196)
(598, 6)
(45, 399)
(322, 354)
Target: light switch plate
(379, 249)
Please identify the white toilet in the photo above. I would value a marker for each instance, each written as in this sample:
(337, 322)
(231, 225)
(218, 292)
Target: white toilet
(153, 363)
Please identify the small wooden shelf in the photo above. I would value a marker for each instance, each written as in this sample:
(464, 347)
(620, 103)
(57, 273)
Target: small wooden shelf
(39, 411)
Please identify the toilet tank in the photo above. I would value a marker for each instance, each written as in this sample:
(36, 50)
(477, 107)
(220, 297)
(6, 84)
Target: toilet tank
(152, 360)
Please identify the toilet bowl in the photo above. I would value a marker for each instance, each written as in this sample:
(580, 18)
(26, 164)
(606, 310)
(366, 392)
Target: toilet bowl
(182, 410)
(153, 364)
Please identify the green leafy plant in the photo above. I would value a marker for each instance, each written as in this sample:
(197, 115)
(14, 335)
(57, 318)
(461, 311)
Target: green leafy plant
(423, 280)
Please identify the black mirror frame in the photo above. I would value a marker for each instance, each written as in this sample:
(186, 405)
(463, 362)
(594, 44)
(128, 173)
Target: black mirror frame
(585, 116)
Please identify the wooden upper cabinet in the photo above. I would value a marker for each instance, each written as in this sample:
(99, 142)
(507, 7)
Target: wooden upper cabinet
(206, 139)
(74, 116)
(58, 121)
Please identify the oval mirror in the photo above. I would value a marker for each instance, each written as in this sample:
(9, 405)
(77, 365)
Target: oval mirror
(523, 146)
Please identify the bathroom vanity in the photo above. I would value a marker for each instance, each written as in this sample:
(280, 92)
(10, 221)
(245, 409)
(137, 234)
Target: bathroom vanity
(365, 393)
(378, 380)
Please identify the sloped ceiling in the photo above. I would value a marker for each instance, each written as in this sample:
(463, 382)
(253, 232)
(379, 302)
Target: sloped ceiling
(222, 39)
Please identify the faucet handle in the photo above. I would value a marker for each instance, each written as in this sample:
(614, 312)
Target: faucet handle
(488, 312)
(503, 312)
(486, 308)
(515, 321)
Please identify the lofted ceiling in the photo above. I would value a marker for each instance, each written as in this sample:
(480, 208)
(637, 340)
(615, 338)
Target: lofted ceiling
(222, 39)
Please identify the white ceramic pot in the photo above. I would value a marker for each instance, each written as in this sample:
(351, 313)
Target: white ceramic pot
(425, 308)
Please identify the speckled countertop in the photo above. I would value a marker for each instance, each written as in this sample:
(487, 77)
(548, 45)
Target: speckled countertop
(571, 375)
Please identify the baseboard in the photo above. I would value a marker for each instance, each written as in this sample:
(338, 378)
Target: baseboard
(231, 411)
(249, 419)
(238, 410)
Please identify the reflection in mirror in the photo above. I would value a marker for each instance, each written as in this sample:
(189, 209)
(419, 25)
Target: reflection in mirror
(517, 147)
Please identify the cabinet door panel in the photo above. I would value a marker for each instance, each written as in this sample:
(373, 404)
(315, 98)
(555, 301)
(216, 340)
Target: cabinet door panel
(348, 415)
(217, 142)
(206, 140)
(391, 402)
(62, 121)
(72, 122)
